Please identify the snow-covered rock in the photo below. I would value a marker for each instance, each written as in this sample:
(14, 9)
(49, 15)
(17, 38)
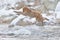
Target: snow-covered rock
(23, 20)
(17, 19)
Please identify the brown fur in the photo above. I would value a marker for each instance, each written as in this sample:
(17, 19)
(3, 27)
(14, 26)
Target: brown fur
(26, 10)
(33, 13)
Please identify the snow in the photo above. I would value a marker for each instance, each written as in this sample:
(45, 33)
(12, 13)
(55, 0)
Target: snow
(17, 19)
(6, 12)
(35, 7)
(58, 7)
(33, 20)
(19, 30)
(52, 0)
(22, 31)
(50, 17)
(57, 10)
(25, 19)
(31, 3)
(20, 10)
(6, 2)
(57, 14)
(29, 29)
(51, 11)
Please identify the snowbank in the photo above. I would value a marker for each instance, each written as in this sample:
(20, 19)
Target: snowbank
(57, 10)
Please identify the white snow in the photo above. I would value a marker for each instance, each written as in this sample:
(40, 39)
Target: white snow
(52, 0)
(27, 29)
(19, 30)
(22, 31)
(58, 6)
(10, 3)
(20, 10)
(17, 19)
(25, 18)
(31, 3)
(57, 10)
(7, 12)
(35, 7)
(57, 14)
(33, 20)
(50, 17)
